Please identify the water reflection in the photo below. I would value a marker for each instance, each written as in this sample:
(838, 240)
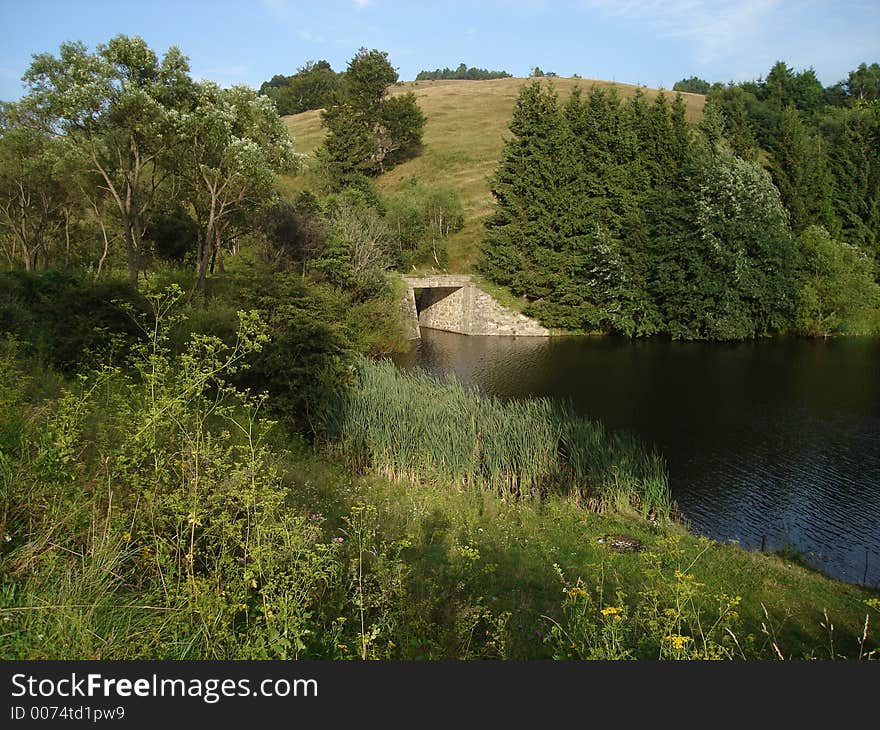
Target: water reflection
(777, 438)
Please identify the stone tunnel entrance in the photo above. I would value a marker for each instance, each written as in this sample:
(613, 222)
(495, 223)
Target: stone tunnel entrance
(456, 304)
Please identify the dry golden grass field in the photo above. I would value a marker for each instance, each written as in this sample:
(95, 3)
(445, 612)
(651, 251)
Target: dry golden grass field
(463, 140)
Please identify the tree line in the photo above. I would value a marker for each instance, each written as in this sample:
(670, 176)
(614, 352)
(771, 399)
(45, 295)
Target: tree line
(462, 72)
(118, 158)
(618, 216)
(819, 144)
(112, 145)
(309, 88)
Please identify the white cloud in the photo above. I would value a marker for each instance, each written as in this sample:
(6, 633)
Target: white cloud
(362, 3)
(715, 28)
(744, 37)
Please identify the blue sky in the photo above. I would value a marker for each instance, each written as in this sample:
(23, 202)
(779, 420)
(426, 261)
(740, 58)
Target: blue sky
(654, 42)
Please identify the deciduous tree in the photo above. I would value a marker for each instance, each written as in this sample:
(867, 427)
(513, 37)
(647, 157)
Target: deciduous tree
(114, 105)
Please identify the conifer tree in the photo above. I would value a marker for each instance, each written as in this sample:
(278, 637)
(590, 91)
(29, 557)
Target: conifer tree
(853, 143)
(528, 232)
(800, 172)
(368, 132)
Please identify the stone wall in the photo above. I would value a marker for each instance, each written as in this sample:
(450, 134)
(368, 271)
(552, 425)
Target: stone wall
(456, 304)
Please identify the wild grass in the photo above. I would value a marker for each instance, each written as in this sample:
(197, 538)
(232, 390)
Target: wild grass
(410, 426)
(463, 140)
(151, 511)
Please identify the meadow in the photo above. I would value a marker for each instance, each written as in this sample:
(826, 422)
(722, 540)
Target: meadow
(463, 140)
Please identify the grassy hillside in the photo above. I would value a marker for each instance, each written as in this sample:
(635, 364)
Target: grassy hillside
(464, 137)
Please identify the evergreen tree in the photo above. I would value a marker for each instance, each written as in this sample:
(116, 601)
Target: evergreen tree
(801, 173)
(853, 142)
(528, 229)
(368, 132)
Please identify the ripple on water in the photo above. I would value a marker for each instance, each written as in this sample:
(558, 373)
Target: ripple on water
(777, 439)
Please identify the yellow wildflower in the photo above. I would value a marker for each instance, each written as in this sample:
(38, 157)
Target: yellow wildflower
(575, 592)
(678, 642)
(612, 611)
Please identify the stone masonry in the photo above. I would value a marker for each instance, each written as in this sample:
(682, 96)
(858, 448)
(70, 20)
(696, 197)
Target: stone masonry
(456, 304)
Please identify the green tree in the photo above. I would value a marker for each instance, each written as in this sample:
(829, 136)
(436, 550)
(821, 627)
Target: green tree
(31, 196)
(310, 87)
(853, 139)
(114, 105)
(368, 132)
(692, 85)
(461, 72)
(863, 84)
(800, 171)
(723, 261)
(736, 107)
(748, 248)
(838, 292)
(553, 233)
(235, 146)
(357, 253)
(528, 226)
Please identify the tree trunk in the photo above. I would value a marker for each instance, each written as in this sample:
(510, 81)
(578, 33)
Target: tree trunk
(203, 262)
(131, 251)
(66, 238)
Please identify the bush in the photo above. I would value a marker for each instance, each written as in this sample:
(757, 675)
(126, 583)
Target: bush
(64, 320)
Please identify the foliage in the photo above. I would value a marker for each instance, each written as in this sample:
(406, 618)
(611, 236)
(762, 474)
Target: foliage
(863, 84)
(369, 132)
(411, 427)
(66, 322)
(311, 87)
(820, 145)
(236, 146)
(113, 107)
(115, 146)
(568, 229)
(749, 251)
(462, 72)
(356, 256)
(853, 138)
(692, 85)
(838, 291)
(294, 234)
(173, 233)
(800, 171)
(419, 220)
(36, 206)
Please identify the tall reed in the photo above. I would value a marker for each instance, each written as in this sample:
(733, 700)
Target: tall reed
(411, 426)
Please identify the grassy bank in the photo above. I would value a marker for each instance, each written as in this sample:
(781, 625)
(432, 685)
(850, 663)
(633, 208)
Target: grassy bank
(150, 509)
(409, 426)
(529, 579)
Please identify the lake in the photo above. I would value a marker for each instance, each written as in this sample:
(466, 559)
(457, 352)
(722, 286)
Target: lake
(775, 439)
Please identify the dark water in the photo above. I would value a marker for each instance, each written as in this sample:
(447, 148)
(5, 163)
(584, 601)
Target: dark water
(776, 438)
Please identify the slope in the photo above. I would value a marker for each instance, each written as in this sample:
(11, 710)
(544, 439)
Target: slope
(463, 140)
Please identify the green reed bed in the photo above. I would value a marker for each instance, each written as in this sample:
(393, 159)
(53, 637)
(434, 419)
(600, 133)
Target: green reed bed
(410, 426)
